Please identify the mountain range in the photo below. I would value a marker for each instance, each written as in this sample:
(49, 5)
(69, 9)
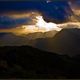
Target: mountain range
(67, 41)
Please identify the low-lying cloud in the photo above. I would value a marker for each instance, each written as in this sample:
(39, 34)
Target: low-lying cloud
(9, 22)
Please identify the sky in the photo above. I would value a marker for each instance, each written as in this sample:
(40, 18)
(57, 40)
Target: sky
(55, 10)
(18, 13)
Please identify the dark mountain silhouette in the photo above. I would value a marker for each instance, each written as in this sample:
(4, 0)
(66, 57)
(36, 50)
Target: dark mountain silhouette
(67, 41)
(28, 62)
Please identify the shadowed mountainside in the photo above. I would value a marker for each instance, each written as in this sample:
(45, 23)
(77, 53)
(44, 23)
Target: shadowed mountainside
(28, 62)
(67, 41)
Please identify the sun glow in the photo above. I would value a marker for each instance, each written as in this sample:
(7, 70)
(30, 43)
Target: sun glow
(41, 26)
(38, 24)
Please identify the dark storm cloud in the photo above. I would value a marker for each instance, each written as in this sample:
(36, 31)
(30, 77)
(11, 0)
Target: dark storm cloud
(8, 22)
(56, 10)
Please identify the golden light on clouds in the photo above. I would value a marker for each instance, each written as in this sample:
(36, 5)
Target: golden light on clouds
(40, 25)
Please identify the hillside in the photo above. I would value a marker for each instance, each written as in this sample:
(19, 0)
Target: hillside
(28, 62)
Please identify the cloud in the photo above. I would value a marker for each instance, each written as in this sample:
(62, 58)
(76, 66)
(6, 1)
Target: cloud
(9, 22)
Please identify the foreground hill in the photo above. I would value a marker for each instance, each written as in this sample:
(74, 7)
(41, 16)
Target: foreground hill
(28, 62)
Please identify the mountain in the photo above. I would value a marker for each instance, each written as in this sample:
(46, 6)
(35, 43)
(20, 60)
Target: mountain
(28, 62)
(67, 41)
